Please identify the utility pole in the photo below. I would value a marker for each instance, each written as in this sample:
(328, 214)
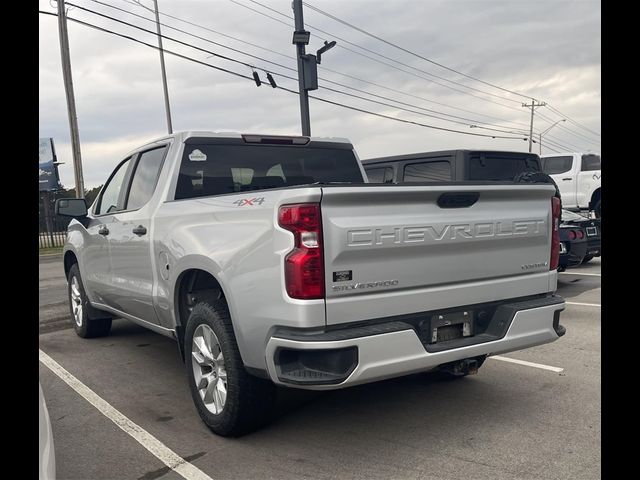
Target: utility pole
(300, 39)
(71, 101)
(533, 106)
(164, 73)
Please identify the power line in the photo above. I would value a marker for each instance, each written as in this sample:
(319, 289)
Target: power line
(573, 121)
(350, 107)
(324, 68)
(393, 66)
(333, 17)
(288, 68)
(386, 57)
(572, 132)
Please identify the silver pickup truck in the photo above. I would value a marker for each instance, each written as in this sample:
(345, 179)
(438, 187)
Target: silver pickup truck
(272, 261)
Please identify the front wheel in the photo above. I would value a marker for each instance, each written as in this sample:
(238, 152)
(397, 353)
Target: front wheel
(597, 209)
(230, 401)
(85, 324)
(587, 258)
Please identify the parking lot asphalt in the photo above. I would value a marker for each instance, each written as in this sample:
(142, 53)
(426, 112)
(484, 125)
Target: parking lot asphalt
(508, 421)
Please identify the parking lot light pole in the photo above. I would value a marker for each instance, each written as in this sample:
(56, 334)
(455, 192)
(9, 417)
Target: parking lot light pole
(542, 133)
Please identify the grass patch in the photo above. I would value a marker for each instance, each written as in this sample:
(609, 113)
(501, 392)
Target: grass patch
(50, 251)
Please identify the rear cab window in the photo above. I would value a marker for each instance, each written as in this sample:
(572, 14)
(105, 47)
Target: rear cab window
(556, 165)
(590, 162)
(498, 166)
(210, 169)
(431, 171)
(380, 174)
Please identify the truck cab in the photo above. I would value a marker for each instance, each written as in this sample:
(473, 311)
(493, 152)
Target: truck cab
(577, 175)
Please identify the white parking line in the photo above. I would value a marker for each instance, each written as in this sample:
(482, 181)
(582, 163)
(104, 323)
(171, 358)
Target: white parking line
(585, 274)
(584, 304)
(167, 456)
(528, 364)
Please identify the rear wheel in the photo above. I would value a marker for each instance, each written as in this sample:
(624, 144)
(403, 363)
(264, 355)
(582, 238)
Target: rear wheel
(85, 321)
(230, 401)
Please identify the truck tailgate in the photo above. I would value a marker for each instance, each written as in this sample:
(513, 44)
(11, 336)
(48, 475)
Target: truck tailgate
(392, 250)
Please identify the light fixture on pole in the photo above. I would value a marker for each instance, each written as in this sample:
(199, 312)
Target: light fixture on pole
(542, 133)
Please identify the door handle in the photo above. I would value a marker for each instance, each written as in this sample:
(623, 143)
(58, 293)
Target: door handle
(566, 179)
(103, 230)
(140, 230)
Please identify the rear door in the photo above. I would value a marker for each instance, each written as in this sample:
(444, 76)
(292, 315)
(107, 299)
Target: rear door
(130, 233)
(388, 248)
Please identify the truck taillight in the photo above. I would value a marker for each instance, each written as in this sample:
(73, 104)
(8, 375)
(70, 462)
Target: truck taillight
(304, 265)
(555, 233)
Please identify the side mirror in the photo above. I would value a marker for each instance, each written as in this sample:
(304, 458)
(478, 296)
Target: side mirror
(71, 207)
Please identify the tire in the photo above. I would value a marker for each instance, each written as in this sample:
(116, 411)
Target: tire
(243, 402)
(587, 258)
(87, 321)
(597, 209)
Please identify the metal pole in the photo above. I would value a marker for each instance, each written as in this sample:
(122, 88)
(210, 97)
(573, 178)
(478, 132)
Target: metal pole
(162, 67)
(71, 101)
(304, 95)
(531, 126)
(540, 142)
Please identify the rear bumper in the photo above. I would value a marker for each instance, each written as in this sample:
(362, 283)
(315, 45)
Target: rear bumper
(393, 349)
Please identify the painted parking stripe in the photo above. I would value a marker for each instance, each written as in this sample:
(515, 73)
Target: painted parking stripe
(528, 364)
(167, 456)
(584, 304)
(585, 274)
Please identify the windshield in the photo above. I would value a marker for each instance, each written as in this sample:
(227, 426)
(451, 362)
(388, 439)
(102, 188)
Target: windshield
(219, 169)
(568, 215)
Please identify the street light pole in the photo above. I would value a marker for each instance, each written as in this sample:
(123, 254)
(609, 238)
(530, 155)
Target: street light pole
(542, 133)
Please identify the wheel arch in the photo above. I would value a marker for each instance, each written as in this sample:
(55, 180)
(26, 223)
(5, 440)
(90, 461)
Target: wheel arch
(194, 284)
(69, 260)
(595, 197)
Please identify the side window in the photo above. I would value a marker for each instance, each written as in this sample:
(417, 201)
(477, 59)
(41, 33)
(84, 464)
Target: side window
(380, 175)
(556, 165)
(145, 177)
(111, 192)
(428, 172)
(590, 162)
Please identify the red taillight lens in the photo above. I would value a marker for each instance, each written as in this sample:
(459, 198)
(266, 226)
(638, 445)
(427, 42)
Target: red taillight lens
(572, 235)
(304, 265)
(579, 234)
(555, 234)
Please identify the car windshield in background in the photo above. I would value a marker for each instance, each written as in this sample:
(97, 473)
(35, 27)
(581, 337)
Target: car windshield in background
(219, 169)
(569, 215)
(556, 165)
(590, 162)
(489, 166)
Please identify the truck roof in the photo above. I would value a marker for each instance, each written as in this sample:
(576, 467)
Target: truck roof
(567, 153)
(411, 156)
(183, 135)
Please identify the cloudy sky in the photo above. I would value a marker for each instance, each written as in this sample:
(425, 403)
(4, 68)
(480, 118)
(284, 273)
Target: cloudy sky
(547, 49)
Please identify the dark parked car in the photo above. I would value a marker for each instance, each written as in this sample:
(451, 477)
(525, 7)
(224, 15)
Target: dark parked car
(573, 245)
(592, 229)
